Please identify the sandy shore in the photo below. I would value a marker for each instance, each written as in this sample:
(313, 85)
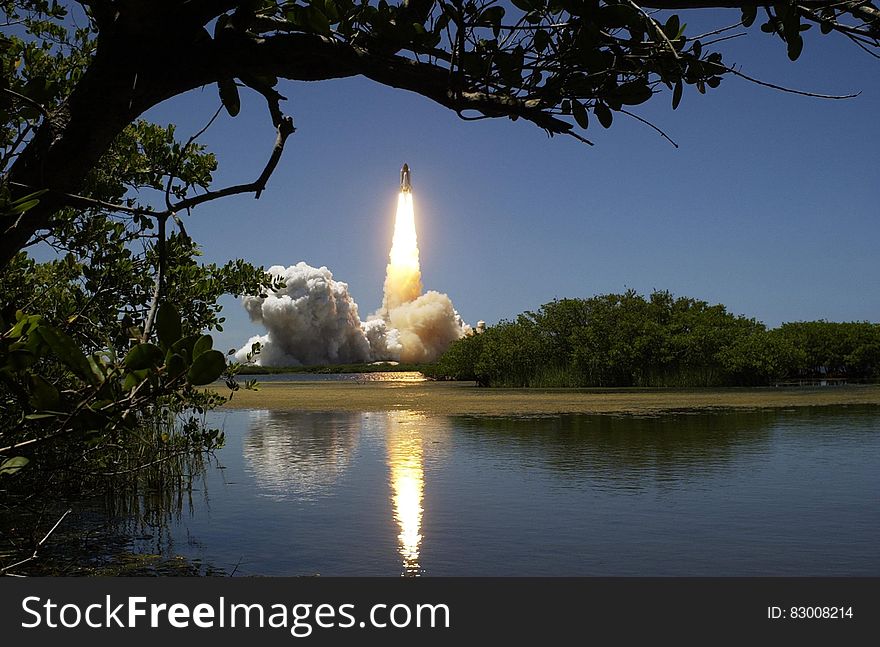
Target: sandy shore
(464, 398)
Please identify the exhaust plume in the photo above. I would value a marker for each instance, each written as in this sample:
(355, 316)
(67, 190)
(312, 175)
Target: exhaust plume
(403, 277)
(313, 319)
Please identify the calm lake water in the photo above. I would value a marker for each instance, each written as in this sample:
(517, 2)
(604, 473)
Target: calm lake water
(389, 493)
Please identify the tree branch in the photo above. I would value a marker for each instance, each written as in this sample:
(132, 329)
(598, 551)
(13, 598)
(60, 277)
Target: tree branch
(33, 104)
(82, 202)
(256, 187)
(160, 278)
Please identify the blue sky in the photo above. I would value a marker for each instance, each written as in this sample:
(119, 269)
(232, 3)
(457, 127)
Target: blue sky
(770, 205)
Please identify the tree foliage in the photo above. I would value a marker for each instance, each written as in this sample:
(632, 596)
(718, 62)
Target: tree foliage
(631, 340)
(78, 366)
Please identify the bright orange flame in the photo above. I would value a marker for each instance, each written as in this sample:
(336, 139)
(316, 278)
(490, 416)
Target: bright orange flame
(403, 277)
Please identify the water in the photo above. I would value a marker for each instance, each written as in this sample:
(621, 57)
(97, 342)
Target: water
(390, 493)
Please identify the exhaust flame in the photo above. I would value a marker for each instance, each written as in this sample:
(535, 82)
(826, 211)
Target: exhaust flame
(403, 277)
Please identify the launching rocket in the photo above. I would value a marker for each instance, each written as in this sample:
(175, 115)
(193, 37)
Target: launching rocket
(405, 179)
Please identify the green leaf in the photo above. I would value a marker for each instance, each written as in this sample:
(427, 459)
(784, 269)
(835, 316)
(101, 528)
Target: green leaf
(795, 46)
(40, 416)
(672, 27)
(67, 352)
(229, 96)
(185, 347)
(98, 368)
(43, 394)
(204, 343)
(580, 114)
(143, 356)
(25, 203)
(206, 368)
(21, 207)
(633, 93)
(492, 16)
(542, 40)
(317, 21)
(12, 465)
(748, 15)
(329, 9)
(603, 114)
(676, 94)
(134, 378)
(24, 325)
(19, 359)
(168, 325)
(175, 364)
(614, 16)
(525, 5)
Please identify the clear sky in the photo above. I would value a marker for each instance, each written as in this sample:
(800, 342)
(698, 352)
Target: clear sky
(770, 205)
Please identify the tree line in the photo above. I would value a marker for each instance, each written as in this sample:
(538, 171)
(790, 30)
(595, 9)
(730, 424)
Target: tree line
(616, 340)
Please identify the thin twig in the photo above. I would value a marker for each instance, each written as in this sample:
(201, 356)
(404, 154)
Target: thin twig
(723, 38)
(720, 30)
(649, 124)
(5, 569)
(146, 465)
(781, 88)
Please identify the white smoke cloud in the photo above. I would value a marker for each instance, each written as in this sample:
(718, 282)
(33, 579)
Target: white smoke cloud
(313, 320)
(426, 326)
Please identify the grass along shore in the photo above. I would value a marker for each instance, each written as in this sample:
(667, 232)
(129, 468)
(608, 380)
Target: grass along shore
(463, 398)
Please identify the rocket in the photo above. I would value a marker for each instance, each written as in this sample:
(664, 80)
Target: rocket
(405, 179)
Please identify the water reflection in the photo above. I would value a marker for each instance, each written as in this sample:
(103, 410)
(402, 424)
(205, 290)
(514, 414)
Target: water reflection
(299, 455)
(626, 452)
(406, 464)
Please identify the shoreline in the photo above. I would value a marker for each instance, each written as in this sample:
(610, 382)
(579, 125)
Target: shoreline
(463, 398)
